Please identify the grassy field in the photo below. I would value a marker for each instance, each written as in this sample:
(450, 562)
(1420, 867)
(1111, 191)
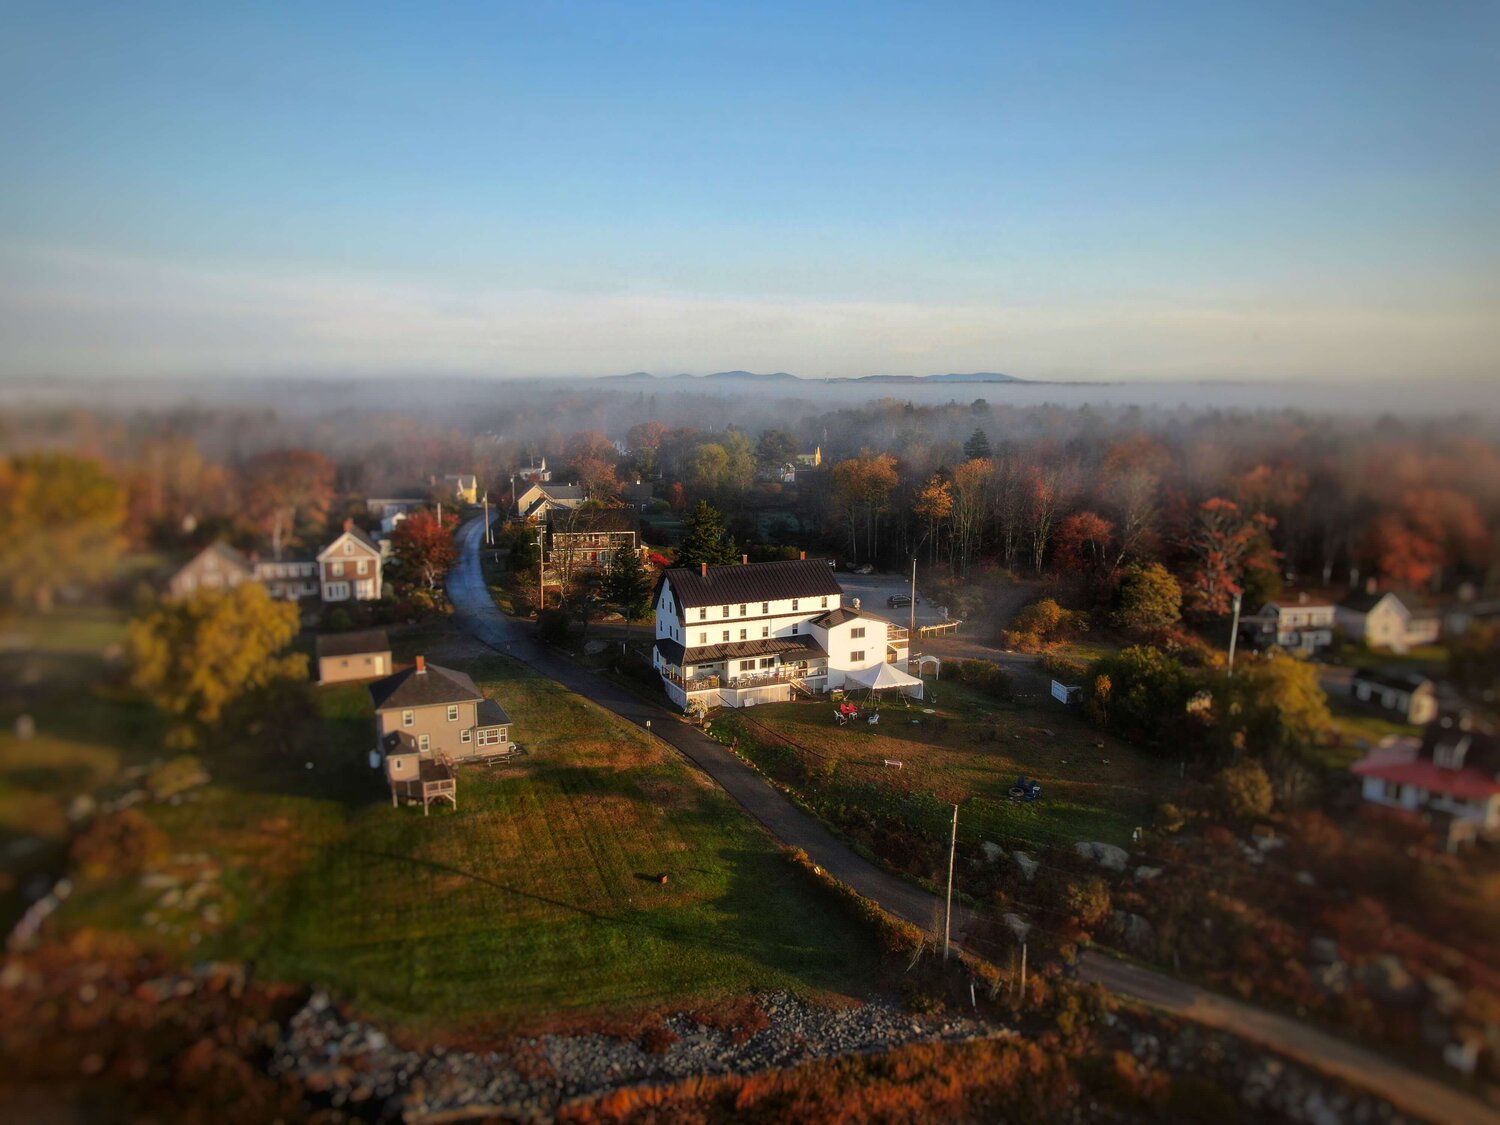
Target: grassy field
(536, 900)
(970, 751)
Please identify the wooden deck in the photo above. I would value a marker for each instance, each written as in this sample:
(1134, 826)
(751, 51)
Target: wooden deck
(435, 782)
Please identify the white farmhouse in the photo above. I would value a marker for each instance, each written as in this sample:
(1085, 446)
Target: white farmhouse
(733, 636)
(1303, 626)
(1386, 620)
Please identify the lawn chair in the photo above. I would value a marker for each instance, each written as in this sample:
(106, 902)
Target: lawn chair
(840, 718)
(875, 718)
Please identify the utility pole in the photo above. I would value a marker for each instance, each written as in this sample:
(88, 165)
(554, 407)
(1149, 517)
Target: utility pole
(948, 909)
(1234, 632)
(1023, 972)
(911, 633)
(541, 565)
(487, 538)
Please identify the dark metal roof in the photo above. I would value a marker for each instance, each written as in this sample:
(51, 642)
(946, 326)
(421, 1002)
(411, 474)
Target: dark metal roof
(436, 686)
(754, 582)
(1364, 601)
(674, 653)
(1401, 681)
(491, 714)
(835, 617)
(353, 644)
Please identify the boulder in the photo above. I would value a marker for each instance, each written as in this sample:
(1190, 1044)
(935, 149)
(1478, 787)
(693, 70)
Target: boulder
(1144, 874)
(1388, 980)
(1134, 931)
(1323, 951)
(992, 852)
(1305, 879)
(1027, 865)
(1107, 856)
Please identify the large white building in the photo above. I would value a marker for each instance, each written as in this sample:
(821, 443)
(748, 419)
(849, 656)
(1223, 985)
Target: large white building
(733, 636)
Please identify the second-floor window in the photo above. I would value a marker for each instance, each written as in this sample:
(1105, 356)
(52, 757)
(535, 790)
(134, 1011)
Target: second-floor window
(703, 614)
(794, 603)
(703, 638)
(726, 634)
(744, 633)
(857, 633)
(360, 566)
(408, 718)
(765, 607)
(453, 712)
(857, 656)
(765, 630)
(424, 742)
(824, 603)
(742, 609)
(338, 570)
(726, 611)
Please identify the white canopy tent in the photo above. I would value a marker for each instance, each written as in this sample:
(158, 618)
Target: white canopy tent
(884, 677)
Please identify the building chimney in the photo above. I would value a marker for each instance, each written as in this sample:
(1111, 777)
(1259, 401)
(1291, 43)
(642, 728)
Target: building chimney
(349, 524)
(802, 555)
(421, 665)
(703, 569)
(744, 560)
(1302, 598)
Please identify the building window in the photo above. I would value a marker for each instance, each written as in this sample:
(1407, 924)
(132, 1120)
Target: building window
(742, 609)
(768, 662)
(453, 712)
(466, 736)
(824, 603)
(794, 603)
(795, 627)
(703, 638)
(494, 736)
(747, 665)
(424, 742)
(338, 570)
(765, 607)
(726, 611)
(408, 718)
(765, 630)
(703, 614)
(857, 633)
(857, 657)
(726, 635)
(361, 567)
(744, 634)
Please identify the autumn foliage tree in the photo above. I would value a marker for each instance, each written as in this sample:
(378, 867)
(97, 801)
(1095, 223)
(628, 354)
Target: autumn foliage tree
(289, 492)
(1084, 546)
(1148, 599)
(862, 487)
(199, 657)
(62, 517)
(1220, 540)
(423, 546)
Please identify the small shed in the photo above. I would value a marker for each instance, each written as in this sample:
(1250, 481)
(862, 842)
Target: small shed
(1071, 694)
(353, 656)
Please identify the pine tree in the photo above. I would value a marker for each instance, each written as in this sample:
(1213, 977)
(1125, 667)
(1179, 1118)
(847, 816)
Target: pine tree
(707, 539)
(627, 586)
(977, 446)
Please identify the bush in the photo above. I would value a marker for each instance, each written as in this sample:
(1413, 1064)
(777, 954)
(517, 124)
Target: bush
(122, 843)
(177, 776)
(1087, 901)
(1148, 600)
(1243, 791)
(1064, 668)
(1041, 623)
(984, 676)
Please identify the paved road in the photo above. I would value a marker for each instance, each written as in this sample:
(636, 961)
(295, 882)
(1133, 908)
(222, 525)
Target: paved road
(1410, 1092)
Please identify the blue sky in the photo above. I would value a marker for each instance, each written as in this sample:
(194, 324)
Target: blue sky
(1096, 191)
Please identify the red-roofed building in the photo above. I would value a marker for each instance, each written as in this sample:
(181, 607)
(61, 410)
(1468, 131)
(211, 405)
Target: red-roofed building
(1451, 770)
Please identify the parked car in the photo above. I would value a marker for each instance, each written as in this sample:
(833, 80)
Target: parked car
(901, 600)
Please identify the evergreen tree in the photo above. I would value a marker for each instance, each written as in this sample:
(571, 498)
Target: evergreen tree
(977, 446)
(627, 586)
(707, 539)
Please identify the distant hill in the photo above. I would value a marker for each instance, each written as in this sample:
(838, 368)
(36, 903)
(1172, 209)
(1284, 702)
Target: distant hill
(783, 376)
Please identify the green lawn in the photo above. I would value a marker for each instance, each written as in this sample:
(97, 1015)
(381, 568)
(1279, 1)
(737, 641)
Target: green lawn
(972, 758)
(536, 898)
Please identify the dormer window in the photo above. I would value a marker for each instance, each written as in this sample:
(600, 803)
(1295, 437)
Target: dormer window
(348, 547)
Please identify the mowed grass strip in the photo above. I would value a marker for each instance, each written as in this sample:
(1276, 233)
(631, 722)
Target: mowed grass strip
(536, 898)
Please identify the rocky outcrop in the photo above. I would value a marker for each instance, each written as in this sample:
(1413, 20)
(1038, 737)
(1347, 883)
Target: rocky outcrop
(1107, 856)
(352, 1064)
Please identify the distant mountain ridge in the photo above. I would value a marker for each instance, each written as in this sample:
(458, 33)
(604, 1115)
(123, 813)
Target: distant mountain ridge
(783, 376)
